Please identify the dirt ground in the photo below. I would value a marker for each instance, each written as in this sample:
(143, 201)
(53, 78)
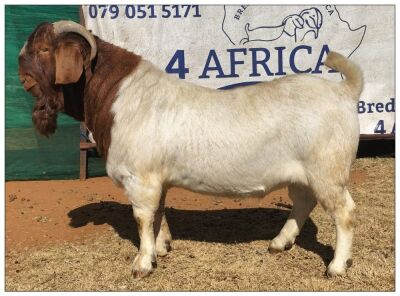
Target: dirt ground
(81, 236)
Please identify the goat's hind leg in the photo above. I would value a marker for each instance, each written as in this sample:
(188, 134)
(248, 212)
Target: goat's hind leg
(337, 201)
(303, 203)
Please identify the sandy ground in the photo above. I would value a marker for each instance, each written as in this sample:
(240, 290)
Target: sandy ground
(80, 236)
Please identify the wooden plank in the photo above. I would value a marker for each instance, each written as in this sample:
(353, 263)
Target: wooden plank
(377, 137)
(82, 154)
(83, 165)
(86, 145)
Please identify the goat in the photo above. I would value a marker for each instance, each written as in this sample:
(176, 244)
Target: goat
(156, 131)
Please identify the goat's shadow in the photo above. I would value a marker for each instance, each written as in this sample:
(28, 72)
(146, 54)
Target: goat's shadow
(222, 226)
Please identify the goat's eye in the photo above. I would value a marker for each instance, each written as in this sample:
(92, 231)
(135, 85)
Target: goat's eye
(44, 49)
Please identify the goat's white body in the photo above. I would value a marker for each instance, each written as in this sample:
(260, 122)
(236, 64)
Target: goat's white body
(239, 141)
(299, 131)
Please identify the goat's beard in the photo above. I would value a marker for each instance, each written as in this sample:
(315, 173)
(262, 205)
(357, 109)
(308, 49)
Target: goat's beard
(45, 112)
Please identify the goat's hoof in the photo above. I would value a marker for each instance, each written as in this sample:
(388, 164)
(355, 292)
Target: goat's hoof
(143, 266)
(288, 246)
(139, 274)
(331, 274)
(163, 250)
(274, 249)
(334, 270)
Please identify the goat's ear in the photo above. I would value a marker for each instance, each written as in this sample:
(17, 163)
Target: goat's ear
(69, 63)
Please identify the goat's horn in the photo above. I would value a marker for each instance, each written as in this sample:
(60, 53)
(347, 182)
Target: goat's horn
(69, 26)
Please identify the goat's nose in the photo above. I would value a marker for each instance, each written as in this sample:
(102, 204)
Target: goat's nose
(27, 81)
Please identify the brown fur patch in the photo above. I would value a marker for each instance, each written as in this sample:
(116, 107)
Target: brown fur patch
(113, 64)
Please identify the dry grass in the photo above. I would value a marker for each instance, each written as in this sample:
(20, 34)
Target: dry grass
(226, 250)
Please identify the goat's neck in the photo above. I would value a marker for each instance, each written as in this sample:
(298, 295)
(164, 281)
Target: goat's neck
(111, 66)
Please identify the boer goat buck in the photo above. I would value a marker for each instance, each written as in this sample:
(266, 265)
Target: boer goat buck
(156, 131)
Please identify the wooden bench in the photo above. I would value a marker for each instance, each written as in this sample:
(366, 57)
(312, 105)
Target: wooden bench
(84, 146)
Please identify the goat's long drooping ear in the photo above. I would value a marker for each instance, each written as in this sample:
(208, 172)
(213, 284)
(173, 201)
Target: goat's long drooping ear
(69, 63)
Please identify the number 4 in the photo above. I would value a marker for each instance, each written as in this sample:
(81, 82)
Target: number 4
(180, 69)
(380, 127)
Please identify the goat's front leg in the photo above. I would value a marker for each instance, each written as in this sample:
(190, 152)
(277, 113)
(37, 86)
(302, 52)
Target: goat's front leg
(161, 229)
(144, 194)
(164, 238)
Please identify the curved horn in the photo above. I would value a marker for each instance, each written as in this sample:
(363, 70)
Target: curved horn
(69, 26)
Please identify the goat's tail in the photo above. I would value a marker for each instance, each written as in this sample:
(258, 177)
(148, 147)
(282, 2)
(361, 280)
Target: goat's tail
(354, 77)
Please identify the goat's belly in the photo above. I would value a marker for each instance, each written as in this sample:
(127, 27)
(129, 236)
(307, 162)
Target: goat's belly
(205, 185)
(258, 182)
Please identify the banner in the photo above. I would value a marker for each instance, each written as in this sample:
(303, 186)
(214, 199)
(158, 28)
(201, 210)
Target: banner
(234, 45)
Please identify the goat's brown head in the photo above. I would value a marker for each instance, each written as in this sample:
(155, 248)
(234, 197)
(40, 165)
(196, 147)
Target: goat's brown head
(54, 56)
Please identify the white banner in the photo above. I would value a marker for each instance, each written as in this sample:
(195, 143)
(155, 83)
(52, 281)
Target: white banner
(227, 46)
